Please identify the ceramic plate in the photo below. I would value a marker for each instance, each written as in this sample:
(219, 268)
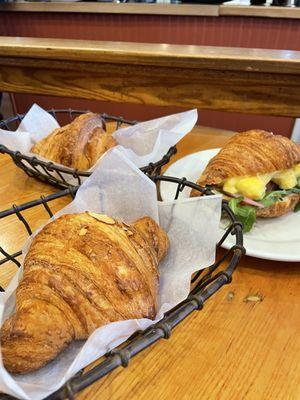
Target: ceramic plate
(271, 239)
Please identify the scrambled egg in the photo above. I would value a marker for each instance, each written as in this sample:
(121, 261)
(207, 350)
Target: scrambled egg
(254, 187)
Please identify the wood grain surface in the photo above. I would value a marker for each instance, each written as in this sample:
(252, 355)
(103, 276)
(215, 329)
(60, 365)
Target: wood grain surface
(190, 56)
(244, 344)
(228, 79)
(114, 8)
(226, 9)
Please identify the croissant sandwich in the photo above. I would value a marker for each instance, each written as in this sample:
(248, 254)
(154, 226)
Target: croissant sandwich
(77, 145)
(260, 172)
(82, 271)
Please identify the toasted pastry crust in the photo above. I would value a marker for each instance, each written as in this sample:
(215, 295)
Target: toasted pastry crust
(280, 207)
(77, 145)
(82, 271)
(250, 153)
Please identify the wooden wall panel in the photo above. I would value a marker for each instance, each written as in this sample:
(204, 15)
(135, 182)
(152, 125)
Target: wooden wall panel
(268, 33)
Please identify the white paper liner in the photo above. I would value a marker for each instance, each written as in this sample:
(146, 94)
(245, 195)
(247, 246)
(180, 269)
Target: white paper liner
(143, 143)
(119, 189)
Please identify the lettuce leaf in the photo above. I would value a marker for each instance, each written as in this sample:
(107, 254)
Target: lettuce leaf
(244, 213)
(272, 197)
(277, 195)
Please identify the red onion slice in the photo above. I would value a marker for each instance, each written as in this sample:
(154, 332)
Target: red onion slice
(246, 200)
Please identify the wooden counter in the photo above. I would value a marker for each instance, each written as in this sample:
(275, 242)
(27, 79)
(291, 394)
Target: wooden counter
(227, 79)
(113, 8)
(240, 8)
(236, 8)
(192, 24)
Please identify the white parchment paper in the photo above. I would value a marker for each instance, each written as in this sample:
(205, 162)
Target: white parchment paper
(142, 143)
(119, 189)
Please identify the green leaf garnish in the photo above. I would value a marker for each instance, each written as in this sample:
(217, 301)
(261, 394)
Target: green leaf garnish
(277, 195)
(244, 213)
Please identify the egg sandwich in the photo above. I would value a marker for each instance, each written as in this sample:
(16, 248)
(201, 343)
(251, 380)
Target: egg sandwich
(259, 173)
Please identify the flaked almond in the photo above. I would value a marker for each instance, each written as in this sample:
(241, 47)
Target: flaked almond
(253, 299)
(82, 231)
(129, 233)
(102, 218)
(127, 225)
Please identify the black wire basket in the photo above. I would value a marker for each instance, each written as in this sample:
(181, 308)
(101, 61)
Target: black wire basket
(61, 176)
(204, 284)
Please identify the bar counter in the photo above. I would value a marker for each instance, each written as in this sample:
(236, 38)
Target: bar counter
(232, 24)
(236, 8)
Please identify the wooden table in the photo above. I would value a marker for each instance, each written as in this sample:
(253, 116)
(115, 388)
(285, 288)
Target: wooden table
(244, 344)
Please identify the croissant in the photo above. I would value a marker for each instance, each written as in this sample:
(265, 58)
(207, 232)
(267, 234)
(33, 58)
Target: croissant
(255, 153)
(77, 145)
(82, 271)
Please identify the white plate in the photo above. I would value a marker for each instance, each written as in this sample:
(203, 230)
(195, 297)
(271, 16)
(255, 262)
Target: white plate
(271, 239)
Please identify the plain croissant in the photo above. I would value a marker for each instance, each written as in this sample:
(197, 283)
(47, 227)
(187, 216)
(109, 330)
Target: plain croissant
(77, 145)
(251, 153)
(82, 271)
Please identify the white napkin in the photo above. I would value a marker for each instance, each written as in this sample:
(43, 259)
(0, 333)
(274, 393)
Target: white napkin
(118, 188)
(142, 143)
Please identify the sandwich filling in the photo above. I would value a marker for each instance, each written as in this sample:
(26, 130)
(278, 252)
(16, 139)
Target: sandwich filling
(255, 187)
(249, 193)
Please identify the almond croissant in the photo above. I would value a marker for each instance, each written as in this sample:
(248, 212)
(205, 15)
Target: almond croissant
(82, 271)
(77, 145)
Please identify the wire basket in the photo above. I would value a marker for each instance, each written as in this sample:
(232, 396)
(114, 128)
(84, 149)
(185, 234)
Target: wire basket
(58, 175)
(205, 283)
